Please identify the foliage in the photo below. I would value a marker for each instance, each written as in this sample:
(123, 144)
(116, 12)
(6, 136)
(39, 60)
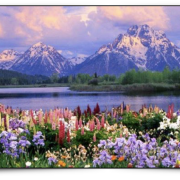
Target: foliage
(8, 77)
(87, 138)
(131, 122)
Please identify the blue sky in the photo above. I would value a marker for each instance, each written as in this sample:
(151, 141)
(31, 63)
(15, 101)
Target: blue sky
(80, 29)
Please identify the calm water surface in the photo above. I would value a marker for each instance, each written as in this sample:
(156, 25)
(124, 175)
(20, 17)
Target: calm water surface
(51, 97)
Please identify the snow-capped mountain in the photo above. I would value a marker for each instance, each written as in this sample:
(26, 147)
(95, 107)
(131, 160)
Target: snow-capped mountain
(77, 60)
(141, 47)
(7, 58)
(41, 59)
(8, 55)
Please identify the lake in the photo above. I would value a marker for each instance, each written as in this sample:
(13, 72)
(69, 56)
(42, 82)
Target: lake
(51, 97)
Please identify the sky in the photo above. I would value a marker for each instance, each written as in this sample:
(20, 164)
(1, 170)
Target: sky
(80, 30)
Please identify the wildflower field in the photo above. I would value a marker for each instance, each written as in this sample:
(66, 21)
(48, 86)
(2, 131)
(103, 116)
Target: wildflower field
(61, 138)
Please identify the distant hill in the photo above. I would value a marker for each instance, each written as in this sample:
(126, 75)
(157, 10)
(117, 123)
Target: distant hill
(12, 77)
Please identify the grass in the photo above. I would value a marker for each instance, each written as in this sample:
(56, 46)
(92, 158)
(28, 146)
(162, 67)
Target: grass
(137, 87)
(35, 85)
(148, 87)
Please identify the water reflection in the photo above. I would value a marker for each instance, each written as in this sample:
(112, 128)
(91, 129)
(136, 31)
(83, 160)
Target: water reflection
(48, 98)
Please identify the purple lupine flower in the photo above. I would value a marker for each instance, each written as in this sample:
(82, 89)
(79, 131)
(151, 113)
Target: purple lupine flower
(24, 142)
(12, 144)
(104, 158)
(102, 143)
(166, 162)
(52, 160)
(38, 139)
(140, 153)
(16, 123)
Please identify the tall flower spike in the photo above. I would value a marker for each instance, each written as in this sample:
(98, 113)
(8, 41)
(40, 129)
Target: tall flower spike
(40, 116)
(94, 138)
(76, 124)
(45, 117)
(61, 132)
(102, 122)
(93, 125)
(82, 131)
(98, 125)
(80, 123)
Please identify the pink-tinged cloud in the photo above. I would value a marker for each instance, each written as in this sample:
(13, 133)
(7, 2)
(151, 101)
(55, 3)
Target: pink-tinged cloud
(80, 29)
(37, 18)
(42, 23)
(154, 16)
(1, 31)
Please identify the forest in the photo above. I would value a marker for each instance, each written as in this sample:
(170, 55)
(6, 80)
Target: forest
(8, 77)
(130, 77)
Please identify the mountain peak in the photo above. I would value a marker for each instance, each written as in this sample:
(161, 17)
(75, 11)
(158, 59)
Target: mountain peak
(39, 44)
(141, 47)
(41, 59)
(40, 48)
(140, 31)
(8, 54)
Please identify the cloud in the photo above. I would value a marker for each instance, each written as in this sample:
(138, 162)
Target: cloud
(38, 17)
(80, 29)
(1, 31)
(154, 16)
(82, 11)
(26, 25)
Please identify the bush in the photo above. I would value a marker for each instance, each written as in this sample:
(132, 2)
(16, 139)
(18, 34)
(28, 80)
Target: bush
(87, 138)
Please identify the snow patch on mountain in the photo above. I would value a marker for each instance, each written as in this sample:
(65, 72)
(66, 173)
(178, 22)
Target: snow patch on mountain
(140, 47)
(7, 58)
(8, 55)
(42, 59)
(77, 60)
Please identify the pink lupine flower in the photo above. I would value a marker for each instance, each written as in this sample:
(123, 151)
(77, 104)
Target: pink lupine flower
(51, 116)
(31, 113)
(46, 117)
(121, 109)
(76, 124)
(82, 131)
(53, 126)
(61, 113)
(90, 126)
(93, 125)
(98, 125)
(127, 108)
(114, 115)
(80, 123)
(102, 122)
(40, 116)
(69, 114)
(94, 138)
(65, 113)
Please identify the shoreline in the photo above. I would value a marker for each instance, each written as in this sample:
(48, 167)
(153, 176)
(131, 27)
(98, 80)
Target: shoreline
(34, 86)
(130, 88)
(149, 87)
